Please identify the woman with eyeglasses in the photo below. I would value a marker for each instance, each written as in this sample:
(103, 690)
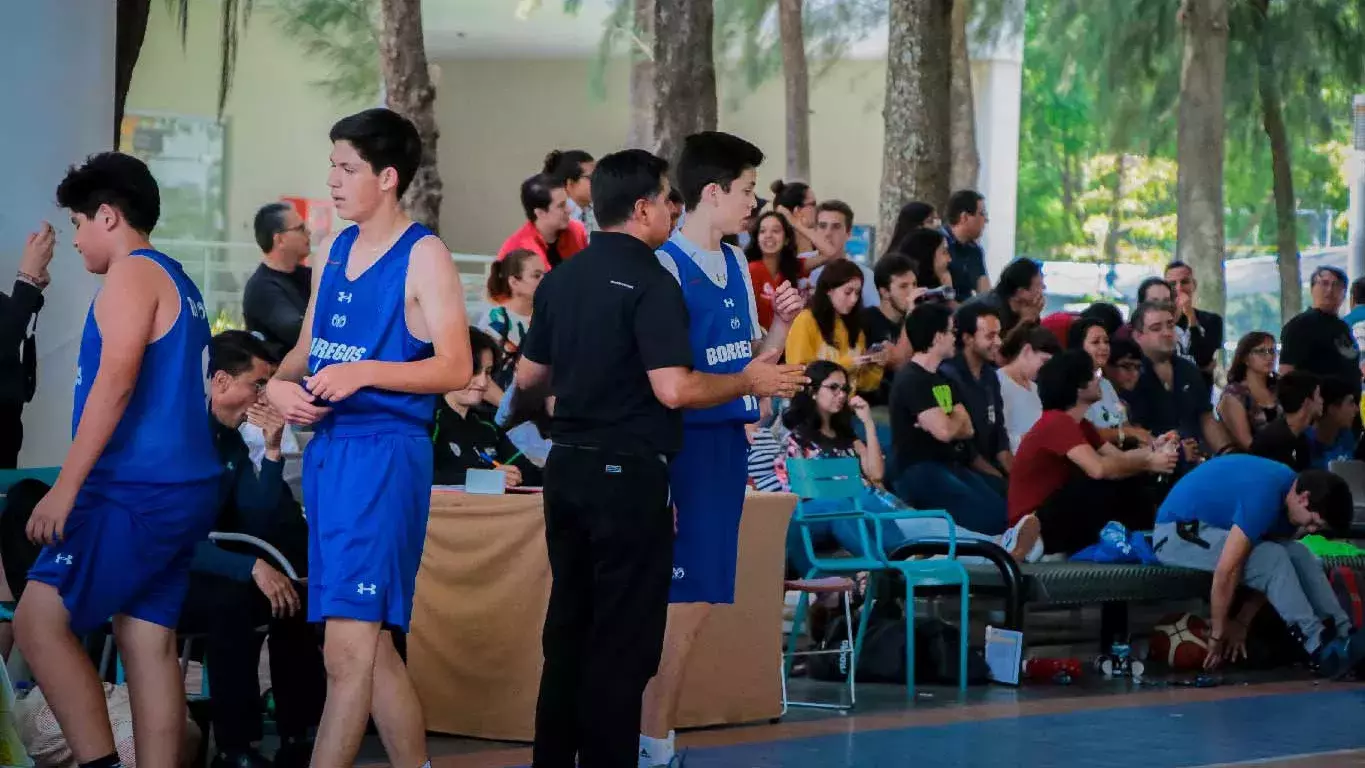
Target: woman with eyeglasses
(819, 425)
(795, 201)
(1109, 416)
(1248, 402)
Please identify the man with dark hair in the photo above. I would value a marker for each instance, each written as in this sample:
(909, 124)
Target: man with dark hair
(834, 220)
(549, 231)
(276, 295)
(894, 280)
(1318, 341)
(609, 526)
(385, 333)
(974, 371)
(139, 485)
(1239, 517)
(1018, 295)
(1203, 330)
(964, 222)
(18, 364)
(932, 431)
(1286, 439)
(573, 168)
(1170, 394)
(1067, 482)
(235, 589)
(708, 476)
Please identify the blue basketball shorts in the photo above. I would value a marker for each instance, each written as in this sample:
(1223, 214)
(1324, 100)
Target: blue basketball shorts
(126, 550)
(367, 497)
(707, 480)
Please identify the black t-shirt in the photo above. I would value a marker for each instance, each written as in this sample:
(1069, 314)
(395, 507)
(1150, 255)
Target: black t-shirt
(1205, 340)
(1278, 442)
(461, 443)
(602, 321)
(273, 305)
(1320, 343)
(879, 329)
(917, 390)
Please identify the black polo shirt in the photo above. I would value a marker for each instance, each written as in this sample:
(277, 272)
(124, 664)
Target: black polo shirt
(602, 320)
(1320, 343)
(1180, 408)
(984, 403)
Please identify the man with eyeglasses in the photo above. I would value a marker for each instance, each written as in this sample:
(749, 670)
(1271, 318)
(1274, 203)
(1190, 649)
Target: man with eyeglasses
(276, 295)
(1203, 329)
(1317, 340)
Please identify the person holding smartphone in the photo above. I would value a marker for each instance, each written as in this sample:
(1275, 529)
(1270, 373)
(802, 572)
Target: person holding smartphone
(830, 328)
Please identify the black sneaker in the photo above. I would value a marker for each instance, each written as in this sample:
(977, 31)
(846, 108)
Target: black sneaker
(1340, 657)
(243, 758)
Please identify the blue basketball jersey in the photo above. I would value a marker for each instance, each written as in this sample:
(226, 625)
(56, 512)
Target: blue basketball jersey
(363, 319)
(164, 435)
(720, 328)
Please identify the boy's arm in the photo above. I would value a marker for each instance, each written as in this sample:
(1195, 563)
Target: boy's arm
(283, 391)
(435, 283)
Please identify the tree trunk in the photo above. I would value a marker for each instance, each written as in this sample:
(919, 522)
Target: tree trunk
(684, 73)
(409, 92)
(130, 30)
(641, 134)
(966, 168)
(916, 149)
(797, 81)
(1111, 238)
(1199, 147)
(1286, 225)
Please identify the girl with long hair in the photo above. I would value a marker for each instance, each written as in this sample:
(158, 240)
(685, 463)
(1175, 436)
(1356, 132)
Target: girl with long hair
(1109, 416)
(928, 248)
(1248, 403)
(795, 201)
(914, 215)
(772, 261)
(830, 327)
(1025, 350)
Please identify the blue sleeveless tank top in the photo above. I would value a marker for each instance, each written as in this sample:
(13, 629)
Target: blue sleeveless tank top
(164, 435)
(720, 328)
(363, 319)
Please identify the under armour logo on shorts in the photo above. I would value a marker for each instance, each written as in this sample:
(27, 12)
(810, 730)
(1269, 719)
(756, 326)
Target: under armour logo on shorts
(64, 560)
(366, 589)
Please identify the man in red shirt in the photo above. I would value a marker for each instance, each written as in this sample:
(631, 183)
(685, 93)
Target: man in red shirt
(548, 231)
(1066, 478)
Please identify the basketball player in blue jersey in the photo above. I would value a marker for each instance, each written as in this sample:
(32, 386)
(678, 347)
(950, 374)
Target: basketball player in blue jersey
(707, 478)
(139, 487)
(384, 334)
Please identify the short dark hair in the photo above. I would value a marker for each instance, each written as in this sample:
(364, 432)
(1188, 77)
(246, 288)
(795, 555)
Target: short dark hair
(1062, 378)
(1108, 315)
(1293, 389)
(962, 203)
(890, 267)
(925, 322)
(1177, 264)
(535, 194)
(674, 196)
(232, 352)
(712, 157)
(1358, 291)
(1334, 389)
(117, 180)
(1017, 276)
(1124, 349)
(480, 342)
(1330, 497)
(1029, 334)
(566, 165)
(269, 222)
(1336, 272)
(384, 139)
(623, 178)
(968, 316)
(1146, 308)
(839, 207)
(1147, 284)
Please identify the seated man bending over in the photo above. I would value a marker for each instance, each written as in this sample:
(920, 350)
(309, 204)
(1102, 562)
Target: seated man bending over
(1067, 482)
(1239, 516)
(234, 589)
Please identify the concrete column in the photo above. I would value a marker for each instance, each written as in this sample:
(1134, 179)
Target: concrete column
(997, 84)
(1356, 178)
(58, 93)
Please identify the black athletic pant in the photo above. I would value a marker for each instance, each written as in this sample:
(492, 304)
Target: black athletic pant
(229, 613)
(11, 434)
(1072, 517)
(610, 534)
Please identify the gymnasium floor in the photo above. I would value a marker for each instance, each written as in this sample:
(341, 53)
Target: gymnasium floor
(1294, 723)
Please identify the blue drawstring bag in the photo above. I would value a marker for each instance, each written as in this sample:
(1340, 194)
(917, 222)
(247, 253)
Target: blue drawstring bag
(1118, 545)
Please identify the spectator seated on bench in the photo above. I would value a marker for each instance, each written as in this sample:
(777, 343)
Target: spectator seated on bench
(973, 371)
(1333, 437)
(1067, 482)
(1286, 438)
(233, 591)
(1239, 517)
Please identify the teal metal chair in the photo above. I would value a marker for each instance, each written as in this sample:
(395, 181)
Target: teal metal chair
(840, 482)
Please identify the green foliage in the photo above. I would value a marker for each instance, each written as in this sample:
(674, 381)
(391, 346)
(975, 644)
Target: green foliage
(344, 35)
(225, 321)
(233, 17)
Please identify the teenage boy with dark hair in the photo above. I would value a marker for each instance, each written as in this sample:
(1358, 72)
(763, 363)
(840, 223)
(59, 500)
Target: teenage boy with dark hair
(1334, 436)
(549, 231)
(883, 323)
(385, 334)
(973, 369)
(834, 220)
(1286, 439)
(1240, 516)
(139, 487)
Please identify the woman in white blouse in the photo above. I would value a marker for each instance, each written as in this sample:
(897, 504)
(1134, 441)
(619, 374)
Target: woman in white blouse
(1025, 350)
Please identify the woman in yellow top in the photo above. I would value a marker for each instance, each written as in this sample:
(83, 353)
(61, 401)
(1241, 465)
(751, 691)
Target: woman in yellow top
(830, 327)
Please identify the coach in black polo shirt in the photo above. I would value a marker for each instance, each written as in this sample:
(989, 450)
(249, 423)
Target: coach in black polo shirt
(610, 341)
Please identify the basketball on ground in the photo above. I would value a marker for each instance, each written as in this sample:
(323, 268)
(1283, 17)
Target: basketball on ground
(1180, 641)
